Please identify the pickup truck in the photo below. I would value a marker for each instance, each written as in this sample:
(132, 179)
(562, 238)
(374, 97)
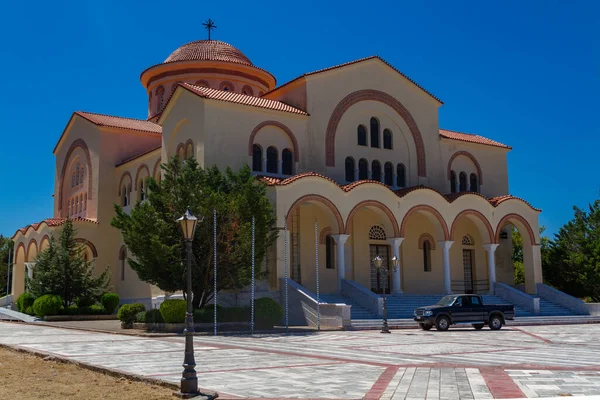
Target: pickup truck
(463, 309)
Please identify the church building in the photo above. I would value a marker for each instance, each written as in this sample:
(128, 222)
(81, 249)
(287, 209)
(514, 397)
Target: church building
(356, 166)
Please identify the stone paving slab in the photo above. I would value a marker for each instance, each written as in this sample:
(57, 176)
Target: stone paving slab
(458, 364)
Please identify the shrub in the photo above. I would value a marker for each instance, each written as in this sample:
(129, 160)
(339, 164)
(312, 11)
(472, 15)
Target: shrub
(48, 304)
(236, 314)
(127, 312)
(110, 301)
(24, 301)
(149, 317)
(29, 310)
(97, 309)
(267, 312)
(84, 302)
(173, 311)
(140, 317)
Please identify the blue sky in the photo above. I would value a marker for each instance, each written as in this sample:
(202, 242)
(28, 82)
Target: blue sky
(525, 73)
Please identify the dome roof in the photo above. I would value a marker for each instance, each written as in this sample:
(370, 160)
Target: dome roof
(208, 50)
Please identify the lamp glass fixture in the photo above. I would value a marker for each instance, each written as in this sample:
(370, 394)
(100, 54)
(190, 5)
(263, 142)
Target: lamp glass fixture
(188, 224)
(378, 261)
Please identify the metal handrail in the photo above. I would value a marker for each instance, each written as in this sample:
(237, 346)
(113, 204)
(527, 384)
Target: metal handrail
(475, 286)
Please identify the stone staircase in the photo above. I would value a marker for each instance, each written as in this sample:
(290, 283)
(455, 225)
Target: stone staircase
(357, 311)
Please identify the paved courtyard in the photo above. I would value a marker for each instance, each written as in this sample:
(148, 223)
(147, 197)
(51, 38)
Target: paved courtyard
(514, 362)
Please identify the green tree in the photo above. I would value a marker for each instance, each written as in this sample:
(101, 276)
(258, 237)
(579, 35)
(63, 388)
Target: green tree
(517, 256)
(61, 269)
(574, 259)
(155, 241)
(5, 245)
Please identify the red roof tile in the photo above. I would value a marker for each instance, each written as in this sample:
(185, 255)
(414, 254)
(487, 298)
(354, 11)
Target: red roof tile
(121, 122)
(208, 50)
(53, 222)
(238, 98)
(467, 137)
(356, 62)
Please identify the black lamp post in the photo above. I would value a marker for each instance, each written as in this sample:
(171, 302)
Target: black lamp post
(384, 272)
(189, 380)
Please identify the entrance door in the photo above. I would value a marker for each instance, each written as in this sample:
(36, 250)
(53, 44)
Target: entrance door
(379, 283)
(468, 264)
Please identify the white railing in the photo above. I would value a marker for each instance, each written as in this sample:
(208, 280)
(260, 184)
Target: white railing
(518, 298)
(363, 296)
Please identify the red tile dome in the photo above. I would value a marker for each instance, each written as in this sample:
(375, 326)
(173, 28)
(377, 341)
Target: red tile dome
(208, 50)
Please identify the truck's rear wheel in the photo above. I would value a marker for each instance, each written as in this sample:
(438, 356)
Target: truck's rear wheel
(425, 327)
(478, 326)
(442, 323)
(495, 322)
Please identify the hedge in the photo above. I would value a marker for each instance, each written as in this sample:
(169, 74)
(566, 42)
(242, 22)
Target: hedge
(127, 312)
(173, 310)
(25, 301)
(149, 317)
(267, 312)
(110, 301)
(48, 304)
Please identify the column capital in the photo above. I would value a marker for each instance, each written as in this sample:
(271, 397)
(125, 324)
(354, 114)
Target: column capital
(491, 247)
(395, 241)
(446, 244)
(340, 238)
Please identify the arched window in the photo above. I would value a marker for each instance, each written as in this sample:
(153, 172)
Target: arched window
(124, 196)
(129, 194)
(329, 252)
(349, 169)
(287, 162)
(160, 94)
(388, 171)
(400, 175)
(122, 260)
(77, 174)
(377, 233)
(374, 132)
(189, 151)
(180, 152)
(77, 210)
(474, 183)
(272, 160)
(227, 86)
(462, 177)
(376, 171)
(387, 139)
(82, 175)
(361, 133)
(142, 190)
(452, 182)
(426, 256)
(73, 180)
(247, 90)
(467, 240)
(85, 201)
(257, 160)
(363, 169)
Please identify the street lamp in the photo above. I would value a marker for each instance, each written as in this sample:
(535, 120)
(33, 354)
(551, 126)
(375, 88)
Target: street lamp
(384, 272)
(189, 380)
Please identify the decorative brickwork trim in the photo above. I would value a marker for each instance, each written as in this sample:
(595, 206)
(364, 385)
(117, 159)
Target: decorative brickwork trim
(323, 235)
(326, 202)
(472, 158)
(430, 210)
(476, 214)
(137, 174)
(227, 85)
(428, 237)
(125, 174)
(32, 241)
(21, 246)
(45, 238)
(507, 219)
(373, 95)
(76, 143)
(376, 204)
(279, 125)
(88, 244)
(208, 71)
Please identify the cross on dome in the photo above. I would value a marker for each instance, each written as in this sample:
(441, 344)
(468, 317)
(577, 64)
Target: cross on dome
(209, 26)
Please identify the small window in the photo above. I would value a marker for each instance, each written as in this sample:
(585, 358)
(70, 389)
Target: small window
(452, 182)
(426, 256)
(124, 197)
(387, 139)
(374, 132)
(362, 135)
(272, 160)
(400, 175)
(458, 302)
(462, 177)
(247, 90)
(257, 160)
(142, 190)
(474, 184)
(73, 180)
(363, 169)
(349, 169)
(388, 173)
(329, 252)
(82, 175)
(189, 150)
(377, 233)
(467, 240)
(475, 301)
(287, 162)
(376, 171)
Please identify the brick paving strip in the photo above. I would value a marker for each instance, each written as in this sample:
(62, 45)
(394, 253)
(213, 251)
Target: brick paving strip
(528, 361)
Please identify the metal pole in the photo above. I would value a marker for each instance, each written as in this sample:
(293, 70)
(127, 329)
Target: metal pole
(317, 271)
(8, 268)
(189, 380)
(215, 272)
(385, 328)
(285, 267)
(252, 292)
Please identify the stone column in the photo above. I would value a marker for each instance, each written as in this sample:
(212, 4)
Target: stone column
(446, 264)
(356, 174)
(280, 167)
(396, 283)
(340, 241)
(265, 164)
(491, 251)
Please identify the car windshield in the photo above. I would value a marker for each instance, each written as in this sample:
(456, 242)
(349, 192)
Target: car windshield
(446, 301)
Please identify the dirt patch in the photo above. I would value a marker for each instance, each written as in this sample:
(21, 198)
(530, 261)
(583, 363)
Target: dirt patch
(23, 376)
